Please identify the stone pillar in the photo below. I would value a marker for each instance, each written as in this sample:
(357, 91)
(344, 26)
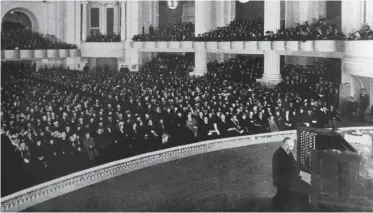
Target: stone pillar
(103, 20)
(123, 21)
(202, 17)
(84, 22)
(272, 68)
(116, 19)
(132, 13)
(78, 23)
(272, 15)
(352, 16)
(155, 13)
(200, 63)
(369, 13)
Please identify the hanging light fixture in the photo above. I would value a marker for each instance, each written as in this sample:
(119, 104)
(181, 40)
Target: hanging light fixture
(172, 4)
(243, 1)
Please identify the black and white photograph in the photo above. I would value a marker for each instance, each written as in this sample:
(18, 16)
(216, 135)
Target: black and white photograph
(186, 105)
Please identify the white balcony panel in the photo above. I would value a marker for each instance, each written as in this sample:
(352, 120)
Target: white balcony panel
(149, 44)
(162, 44)
(11, 54)
(52, 53)
(138, 44)
(128, 44)
(40, 53)
(103, 49)
(237, 45)
(73, 52)
(187, 44)
(265, 45)
(329, 46)
(292, 45)
(225, 45)
(278, 45)
(212, 45)
(63, 53)
(251, 45)
(306, 46)
(174, 44)
(26, 54)
(199, 46)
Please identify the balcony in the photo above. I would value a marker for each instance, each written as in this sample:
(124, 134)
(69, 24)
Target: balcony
(38, 54)
(104, 49)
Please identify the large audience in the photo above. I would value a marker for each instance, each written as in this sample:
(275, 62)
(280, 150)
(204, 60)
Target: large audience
(70, 120)
(252, 30)
(15, 36)
(103, 38)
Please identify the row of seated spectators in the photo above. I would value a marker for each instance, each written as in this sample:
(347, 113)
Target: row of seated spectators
(252, 30)
(103, 38)
(364, 34)
(171, 32)
(63, 121)
(21, 37)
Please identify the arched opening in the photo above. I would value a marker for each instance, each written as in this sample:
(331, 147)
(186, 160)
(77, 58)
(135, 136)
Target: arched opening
(19, 18)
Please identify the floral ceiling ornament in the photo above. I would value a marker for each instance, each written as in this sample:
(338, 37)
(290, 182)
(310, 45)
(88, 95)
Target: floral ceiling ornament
(172, 4)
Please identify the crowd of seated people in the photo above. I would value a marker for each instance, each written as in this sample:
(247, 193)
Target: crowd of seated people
(103, 38)
(364, 34)
(171, 32)
(20, 37)
(72, 120)
(247, 30)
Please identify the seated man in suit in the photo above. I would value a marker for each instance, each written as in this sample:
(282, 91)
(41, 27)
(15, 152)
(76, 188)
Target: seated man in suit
(285, 171)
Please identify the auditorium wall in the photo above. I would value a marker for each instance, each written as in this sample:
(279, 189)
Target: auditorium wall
(47, 17)
(250, 10)
(167, 15)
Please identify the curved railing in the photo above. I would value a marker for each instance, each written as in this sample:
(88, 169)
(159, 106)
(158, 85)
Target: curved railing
(51, 189)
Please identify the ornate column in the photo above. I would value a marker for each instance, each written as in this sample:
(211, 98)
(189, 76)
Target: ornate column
(271, 74)
(369, 13)
(103, 20)
(116, 19)
(202, 17)
(123, 21)
(352, 16)
(272, 15)
(77, 21)
(84, 22)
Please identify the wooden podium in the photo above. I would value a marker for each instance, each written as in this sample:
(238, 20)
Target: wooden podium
(341, 177)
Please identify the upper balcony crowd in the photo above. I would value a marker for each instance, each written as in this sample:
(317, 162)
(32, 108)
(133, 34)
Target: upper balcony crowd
(59, 118)
(252, 30)
(18, 37)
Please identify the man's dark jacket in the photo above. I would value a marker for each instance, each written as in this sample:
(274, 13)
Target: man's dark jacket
(285, 169)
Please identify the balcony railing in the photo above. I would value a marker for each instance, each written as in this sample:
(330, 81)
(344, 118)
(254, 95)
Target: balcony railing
(51, 189)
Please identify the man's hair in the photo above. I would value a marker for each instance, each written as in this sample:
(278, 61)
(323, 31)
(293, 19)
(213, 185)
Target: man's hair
(286, 139)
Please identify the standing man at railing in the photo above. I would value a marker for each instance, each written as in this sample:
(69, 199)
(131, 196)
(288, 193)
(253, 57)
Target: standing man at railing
(364, 103)
(285, 171)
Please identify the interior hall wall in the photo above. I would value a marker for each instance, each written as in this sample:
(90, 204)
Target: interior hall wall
(111, 62)
(167, 15)
(250, 10)
(334, 12)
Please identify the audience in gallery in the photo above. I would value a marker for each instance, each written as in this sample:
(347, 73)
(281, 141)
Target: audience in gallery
(364, 34)
(171, 32)
(15, 36)
(70, 120)
(247, 30)
(103, 38)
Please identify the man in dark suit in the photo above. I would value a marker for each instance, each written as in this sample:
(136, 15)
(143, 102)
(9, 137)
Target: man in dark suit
(364, 103)
(86, 68)
(285, 171)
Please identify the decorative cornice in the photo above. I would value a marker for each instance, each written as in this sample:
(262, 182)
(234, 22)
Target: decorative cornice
(40, 193)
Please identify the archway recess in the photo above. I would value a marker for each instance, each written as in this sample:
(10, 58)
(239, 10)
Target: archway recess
(18, 17)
